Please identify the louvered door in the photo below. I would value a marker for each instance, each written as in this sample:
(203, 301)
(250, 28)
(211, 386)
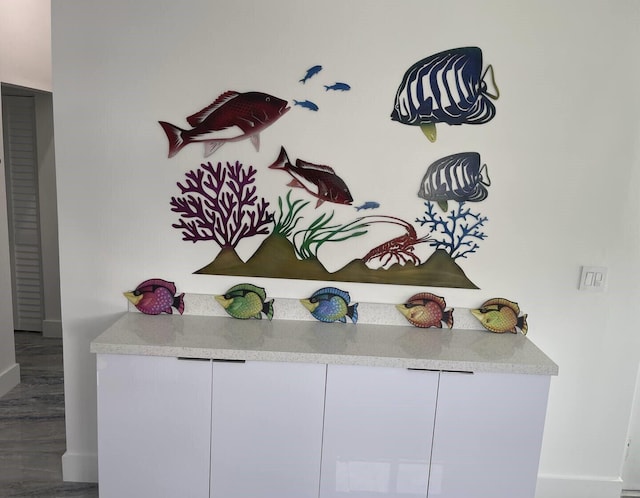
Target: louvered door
(21, 173)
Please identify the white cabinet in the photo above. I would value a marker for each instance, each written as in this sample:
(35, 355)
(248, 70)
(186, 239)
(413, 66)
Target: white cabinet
(488, 434)
(266, 433)
(198, 429)
(377, 432)
(154, 416)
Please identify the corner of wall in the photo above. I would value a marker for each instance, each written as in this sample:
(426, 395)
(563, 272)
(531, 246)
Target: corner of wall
(9, 379)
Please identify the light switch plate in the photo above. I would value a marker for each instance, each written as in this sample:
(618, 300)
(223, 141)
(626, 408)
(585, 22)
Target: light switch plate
(593, 279)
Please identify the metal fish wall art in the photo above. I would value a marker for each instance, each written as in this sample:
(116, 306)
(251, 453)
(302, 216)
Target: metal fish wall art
(156, 296)
(447, 87)
(231, 117)
(458, 177)
(318, 180)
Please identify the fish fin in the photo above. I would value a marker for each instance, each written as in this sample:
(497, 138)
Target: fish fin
(178, 303)
(429, 130)
(168, 311)
(255, 140)
(282, 160)
(174, 135)
(342, 319)
(522, 324)
(267, 309)
(200, 116)
(257, 316)
(295, 183)
(352, 312)
(444, 205)
(302, 164)
(210, 146)
(319, 203)
(494, 88)
(447, 317)
(484, 176)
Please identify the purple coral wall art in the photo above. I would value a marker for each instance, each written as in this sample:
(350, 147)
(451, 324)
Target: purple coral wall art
(219, 203)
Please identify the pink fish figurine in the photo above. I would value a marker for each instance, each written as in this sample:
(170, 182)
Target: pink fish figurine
(156, 296)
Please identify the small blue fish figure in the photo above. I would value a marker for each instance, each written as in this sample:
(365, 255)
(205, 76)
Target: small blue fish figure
(368, 205)
(311, 72)
(306, 104)
(343, 87)
(331, 305)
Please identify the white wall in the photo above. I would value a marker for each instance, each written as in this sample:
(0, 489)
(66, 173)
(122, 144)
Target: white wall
(563, 155)
(25, 60)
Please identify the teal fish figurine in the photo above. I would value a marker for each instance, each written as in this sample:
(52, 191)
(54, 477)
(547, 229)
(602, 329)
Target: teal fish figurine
(246, 301)
(331, 305)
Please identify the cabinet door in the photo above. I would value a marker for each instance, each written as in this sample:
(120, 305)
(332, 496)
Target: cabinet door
(487, 436)
(154, 418)
(266, 429)
(377, 433)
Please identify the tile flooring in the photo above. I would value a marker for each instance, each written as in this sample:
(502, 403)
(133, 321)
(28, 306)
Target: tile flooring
(32, 432)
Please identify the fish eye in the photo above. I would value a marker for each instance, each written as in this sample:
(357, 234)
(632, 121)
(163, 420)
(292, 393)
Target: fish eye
(268, 99)
(137, 292)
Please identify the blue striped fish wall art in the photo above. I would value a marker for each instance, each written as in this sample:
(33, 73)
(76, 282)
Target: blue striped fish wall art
(458, 177)
(447, 87)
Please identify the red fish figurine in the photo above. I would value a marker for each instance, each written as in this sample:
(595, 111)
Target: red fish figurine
(318, 180)
(426, 310)
(232, 117)
(156, 296)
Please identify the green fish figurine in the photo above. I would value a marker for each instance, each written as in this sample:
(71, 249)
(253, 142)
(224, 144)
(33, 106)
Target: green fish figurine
(246, 301)
(500, 315)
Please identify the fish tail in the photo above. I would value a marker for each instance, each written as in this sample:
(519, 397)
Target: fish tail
(303, 81)
(282, 161)
(352, 312)
(178, 303)
(484, 175)
(327, 88)
(267, 309)
(174, 135)
(447, 317)
(522, 324)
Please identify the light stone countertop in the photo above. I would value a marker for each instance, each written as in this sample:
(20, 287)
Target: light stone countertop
(309, 341)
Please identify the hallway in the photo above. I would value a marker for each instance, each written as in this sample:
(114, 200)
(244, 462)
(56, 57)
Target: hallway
(32, 432)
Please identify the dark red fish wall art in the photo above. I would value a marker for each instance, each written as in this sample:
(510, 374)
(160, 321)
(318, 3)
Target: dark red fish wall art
(231, 117)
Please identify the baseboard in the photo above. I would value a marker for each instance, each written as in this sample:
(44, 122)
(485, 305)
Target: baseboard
(553, 486)
(80, 467)
(9, 379)
(52, 328)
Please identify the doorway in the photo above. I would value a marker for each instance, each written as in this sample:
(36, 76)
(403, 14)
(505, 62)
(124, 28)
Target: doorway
(27, 127)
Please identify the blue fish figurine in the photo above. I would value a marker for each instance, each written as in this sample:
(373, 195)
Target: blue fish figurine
(331, 305)
(311, 72)
(343, 87)
(307, 104)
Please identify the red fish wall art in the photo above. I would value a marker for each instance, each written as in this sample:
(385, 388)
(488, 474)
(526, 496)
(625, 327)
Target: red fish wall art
(231, 117)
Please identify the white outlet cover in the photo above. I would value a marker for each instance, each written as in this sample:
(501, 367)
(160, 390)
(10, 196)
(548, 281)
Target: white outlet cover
(593, 279)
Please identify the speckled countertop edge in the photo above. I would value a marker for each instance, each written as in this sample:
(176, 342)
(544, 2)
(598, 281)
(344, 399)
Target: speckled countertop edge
(395, 344)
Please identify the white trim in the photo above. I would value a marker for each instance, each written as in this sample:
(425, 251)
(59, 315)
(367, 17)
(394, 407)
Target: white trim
(52, 328)
(557, 486)
(9, 379)
(80, 467)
